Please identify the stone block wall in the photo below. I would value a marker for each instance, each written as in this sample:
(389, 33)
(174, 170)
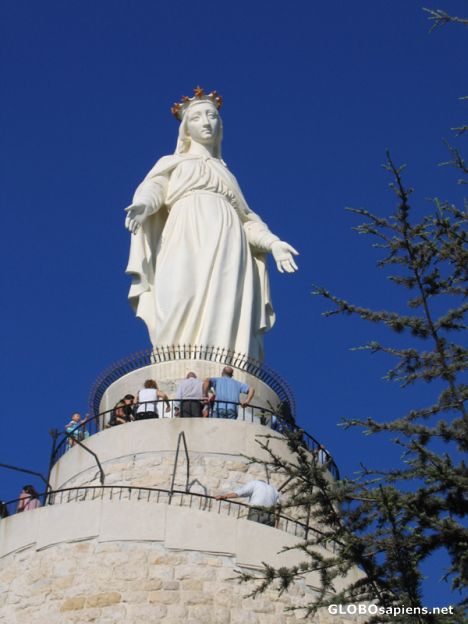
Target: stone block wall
(143, 454)
(131, 561)
(209, 475)
(127, 582)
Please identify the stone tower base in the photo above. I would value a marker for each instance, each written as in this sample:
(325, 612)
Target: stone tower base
(138, 582)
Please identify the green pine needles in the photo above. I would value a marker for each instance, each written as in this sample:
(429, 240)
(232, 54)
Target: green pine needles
(373, 534)
(376, 532)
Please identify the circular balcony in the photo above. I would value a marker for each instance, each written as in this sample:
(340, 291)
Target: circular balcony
(176, 498)
(172, 362)
(276, 421)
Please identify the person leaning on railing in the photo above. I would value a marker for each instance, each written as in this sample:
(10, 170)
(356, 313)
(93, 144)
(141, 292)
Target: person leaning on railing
(28, 499)
(118, 414)
(123, 411)
(75, 430)
(191, 398)
(147, 399)
(263, 499)
(323, 456)
(129, 407)
(227, 393)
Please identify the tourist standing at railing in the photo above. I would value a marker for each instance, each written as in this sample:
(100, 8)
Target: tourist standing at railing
(75, 429)
(227, 393)
(261, 494)
(323, 455)
(281, 424)
(129, 407)
(147, 399)
(118, 414)
(190, 395)
(28, 499)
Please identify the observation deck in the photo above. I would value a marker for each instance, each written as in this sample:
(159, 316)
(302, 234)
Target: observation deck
(273, 406)
(130, 526)
(170, 364)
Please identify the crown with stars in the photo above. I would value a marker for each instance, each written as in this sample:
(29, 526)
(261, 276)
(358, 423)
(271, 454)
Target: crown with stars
(179, 108)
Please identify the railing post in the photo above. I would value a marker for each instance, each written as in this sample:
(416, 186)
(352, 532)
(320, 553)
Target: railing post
(88, 450)
(54, 433)
(180, 437)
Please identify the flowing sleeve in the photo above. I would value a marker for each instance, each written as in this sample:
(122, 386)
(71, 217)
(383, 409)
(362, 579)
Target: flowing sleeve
(257, 231)
(260, 239)
(152, 191)
(144, 245)
(245, 490)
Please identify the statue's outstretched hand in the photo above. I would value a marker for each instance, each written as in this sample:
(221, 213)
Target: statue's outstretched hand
(136, 214)
(283, 255)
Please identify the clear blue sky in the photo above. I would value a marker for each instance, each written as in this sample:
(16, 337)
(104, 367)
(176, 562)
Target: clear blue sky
(314, 93)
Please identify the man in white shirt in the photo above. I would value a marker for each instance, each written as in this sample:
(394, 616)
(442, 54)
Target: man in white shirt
(190, 395)
(261, 494)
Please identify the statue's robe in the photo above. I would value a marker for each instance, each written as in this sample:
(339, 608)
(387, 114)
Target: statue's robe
(198, 262)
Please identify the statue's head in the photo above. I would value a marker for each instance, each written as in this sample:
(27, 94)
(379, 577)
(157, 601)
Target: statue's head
(199, 121)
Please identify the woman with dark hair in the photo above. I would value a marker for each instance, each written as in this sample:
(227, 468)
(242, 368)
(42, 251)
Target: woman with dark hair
(118, 414)
(147, 399)
(28, 499)
(129, 407)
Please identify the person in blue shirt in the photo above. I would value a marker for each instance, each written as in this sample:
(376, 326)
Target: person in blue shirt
(227, 393)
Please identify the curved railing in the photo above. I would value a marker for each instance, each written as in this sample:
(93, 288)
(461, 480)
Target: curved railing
(179, 498)
(222, 356)
(164, 409)
(214, 409)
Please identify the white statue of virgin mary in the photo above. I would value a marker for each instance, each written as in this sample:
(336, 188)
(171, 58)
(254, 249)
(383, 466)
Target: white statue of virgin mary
(198, 253)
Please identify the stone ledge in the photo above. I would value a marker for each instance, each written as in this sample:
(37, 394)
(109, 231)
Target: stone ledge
(204, 437)
(177, 528)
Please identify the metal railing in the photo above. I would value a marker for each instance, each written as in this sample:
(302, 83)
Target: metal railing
(160, 409)
(222, 356)
(181, 438)
(9, 508)
(179, 498)
(171, 409)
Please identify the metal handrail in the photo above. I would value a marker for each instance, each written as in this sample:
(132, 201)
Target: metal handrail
(75, 440)
(181, 437)
(27, 471)
(202, 502)
(222, 356)
(250, 413)
(159, 407)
